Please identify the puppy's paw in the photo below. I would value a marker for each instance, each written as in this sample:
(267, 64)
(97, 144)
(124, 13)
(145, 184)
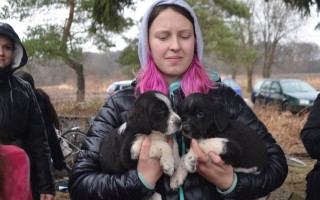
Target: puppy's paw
(191, 162)
(175, 182)
(167, 165)
(177, 179)
(134, 154)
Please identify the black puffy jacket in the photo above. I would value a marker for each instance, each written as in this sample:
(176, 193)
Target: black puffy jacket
(310, 134)
(87, 181)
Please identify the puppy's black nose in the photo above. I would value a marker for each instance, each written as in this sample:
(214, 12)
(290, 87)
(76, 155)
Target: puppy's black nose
(186, 128)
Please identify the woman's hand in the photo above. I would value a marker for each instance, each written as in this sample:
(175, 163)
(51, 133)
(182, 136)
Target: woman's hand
(213, 168)
(149, 167)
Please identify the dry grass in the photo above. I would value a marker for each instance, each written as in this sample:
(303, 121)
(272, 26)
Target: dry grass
(285, 128)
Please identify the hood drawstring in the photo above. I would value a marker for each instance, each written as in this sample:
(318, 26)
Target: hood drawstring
(11, 94)
(174, 86)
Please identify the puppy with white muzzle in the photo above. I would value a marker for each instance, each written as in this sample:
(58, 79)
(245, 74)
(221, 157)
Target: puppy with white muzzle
(209, 122)
(151, 114)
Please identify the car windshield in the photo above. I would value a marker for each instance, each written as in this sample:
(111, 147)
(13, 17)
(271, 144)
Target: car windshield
(297, 86)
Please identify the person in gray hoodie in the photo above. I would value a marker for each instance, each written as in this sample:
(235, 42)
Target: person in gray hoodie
(170, 52)
(21, 121)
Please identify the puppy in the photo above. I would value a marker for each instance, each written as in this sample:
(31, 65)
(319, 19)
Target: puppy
(209, 122)
(151, 114)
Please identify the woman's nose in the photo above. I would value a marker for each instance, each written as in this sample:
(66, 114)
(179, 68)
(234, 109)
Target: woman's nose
(175, 44)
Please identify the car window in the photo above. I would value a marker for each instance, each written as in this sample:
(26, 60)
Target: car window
(275, 88)
(258, 84)
(297, 86)
(265, 87)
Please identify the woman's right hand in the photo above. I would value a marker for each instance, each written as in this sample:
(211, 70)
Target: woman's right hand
(149, 167)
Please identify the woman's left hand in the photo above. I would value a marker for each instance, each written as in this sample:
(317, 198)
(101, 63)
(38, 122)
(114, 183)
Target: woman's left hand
(212, 168)
(46, 197)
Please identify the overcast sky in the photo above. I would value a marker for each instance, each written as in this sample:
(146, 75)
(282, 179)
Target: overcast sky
(306, 34)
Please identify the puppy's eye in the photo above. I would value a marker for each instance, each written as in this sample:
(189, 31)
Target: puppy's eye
(200, 114)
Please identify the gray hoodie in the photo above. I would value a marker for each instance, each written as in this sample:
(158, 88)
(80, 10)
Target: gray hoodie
(20, 57)
(143, 45)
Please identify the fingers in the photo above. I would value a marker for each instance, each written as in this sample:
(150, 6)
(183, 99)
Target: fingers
(145, 147)
(198, 151)
(216, 159)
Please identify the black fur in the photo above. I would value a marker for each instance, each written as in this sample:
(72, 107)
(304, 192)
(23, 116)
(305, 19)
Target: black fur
(203, 118)
(149, 113)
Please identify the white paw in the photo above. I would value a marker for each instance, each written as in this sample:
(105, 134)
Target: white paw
(176, 181)
(191, 163)
(134, 154)
(167, 165)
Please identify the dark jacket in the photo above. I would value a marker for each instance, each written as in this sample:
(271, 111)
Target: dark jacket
(21, 122)
(87, 181)
(310, 134)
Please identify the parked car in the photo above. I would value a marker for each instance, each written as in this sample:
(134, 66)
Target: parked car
(233, 84)
(117, 85)
(288, 94)
(256, 89)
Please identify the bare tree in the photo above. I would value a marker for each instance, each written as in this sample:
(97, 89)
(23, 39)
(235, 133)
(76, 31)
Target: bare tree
(248, 52)
(275, 21)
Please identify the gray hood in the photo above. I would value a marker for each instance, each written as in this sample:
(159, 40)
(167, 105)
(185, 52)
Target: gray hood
(143, 35)
(20, 57)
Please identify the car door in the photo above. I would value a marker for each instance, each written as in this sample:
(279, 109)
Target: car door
(275, 95)
(264, 93)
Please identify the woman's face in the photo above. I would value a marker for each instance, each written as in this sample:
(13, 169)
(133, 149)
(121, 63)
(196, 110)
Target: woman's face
(172, 43)
(6, 49)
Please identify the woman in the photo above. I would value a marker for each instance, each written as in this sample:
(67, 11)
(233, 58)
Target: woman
(51, 121)
(310, 136)
(21, 122)
(170, 50)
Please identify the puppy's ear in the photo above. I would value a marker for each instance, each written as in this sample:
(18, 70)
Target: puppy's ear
(221, 116)
(138, 119)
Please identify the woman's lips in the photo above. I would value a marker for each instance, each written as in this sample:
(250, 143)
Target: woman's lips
(174, 59)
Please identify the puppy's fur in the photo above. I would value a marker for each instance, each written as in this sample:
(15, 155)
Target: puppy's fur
(151, 114)
(209, 122)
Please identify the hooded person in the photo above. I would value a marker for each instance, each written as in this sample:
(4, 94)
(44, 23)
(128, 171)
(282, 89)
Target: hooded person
(21, 122)
(170, 52)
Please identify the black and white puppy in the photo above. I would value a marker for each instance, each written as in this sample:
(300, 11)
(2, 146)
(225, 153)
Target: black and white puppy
(151, 114)
(209, 122)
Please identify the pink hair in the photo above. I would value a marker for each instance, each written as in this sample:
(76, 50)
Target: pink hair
(194, 80)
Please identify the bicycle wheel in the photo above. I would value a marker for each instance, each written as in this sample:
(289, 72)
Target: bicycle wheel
(74, 139)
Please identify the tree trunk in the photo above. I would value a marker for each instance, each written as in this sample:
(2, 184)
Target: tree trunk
(249, 77)
(234, 71)
(269, 58)
(78, 68)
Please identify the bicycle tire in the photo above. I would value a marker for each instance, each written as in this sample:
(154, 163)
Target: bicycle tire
(74, 138)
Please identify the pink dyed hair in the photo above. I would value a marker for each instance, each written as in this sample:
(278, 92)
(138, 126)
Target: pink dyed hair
(195, 80)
